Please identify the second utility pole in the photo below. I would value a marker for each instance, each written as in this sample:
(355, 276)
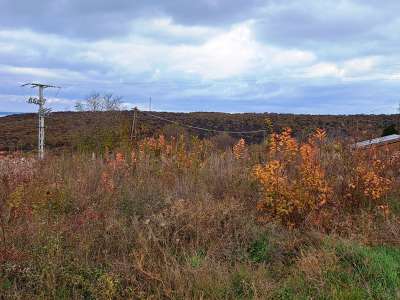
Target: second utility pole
(134, 121)
(149, 103)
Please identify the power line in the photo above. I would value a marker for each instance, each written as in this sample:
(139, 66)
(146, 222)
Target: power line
(203, 129)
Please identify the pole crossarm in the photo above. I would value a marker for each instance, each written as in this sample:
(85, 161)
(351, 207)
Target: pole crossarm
(45, 86)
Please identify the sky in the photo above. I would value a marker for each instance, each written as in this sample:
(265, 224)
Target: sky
(292, 56)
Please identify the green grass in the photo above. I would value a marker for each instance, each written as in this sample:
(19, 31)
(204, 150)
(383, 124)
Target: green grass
(260, 250)
(360, 272)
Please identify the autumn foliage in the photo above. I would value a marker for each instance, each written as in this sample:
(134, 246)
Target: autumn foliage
(181, 218)
(293, 179)
(298, 183)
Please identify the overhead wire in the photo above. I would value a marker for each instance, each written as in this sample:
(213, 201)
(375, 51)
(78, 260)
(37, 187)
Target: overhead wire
(202, 128)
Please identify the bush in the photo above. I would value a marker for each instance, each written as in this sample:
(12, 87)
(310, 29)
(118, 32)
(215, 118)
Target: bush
(307, 183)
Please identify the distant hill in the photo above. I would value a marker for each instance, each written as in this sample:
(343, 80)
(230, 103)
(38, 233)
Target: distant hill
(7, 113)
(65, 129)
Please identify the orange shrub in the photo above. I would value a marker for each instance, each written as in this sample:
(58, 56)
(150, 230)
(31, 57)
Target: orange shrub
(283, 146)
(316, 177)
(239, 150)
(293, 182)
(369, 180)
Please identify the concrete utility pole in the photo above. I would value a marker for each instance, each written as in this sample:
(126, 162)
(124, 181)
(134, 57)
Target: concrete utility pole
(398, 117)
(41, 112)
(134, 121)
(149, 103)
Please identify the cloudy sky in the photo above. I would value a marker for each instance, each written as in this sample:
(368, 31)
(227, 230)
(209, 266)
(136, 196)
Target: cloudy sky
(308, 56)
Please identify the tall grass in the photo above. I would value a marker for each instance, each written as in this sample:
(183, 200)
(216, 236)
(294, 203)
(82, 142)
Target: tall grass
(182, 219)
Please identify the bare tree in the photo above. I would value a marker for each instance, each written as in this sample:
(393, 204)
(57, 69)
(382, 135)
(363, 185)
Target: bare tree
(111, 102)
(98, 102)
(94, 102)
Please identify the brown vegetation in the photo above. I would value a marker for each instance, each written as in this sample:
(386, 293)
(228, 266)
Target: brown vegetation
(181, 218)
(69, 130)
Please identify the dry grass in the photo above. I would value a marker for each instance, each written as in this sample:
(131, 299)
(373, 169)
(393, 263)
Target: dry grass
(179, 220)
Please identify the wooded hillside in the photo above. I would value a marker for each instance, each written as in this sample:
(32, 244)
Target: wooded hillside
(67, 129)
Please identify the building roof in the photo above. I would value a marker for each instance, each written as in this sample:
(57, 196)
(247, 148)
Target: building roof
(394, 138)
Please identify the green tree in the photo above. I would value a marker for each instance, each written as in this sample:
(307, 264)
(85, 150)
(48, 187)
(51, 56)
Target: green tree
(389, 130)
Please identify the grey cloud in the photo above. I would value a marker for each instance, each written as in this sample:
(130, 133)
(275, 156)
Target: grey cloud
(292, 25)
(212, 12)
(338, 98)
(332, 98)
(64, 18)
(94, 19)
(332, 29)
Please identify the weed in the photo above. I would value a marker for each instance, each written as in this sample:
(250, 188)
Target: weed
(241, 285)
(260, 250)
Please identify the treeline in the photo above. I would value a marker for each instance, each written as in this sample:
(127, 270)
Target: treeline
(88, 130)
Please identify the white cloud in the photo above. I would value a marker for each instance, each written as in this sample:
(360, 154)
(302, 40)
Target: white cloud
(36, 72)
(324, 70)
(41, 73)
(60, 101)
(235, 53)
(166, 29)
(360, 66)
(229, 54)
(14, 98)
(357, 68)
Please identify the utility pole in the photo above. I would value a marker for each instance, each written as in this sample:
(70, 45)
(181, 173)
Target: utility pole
(150, 104)
(133, 128)
(42, 112)
(398, 117)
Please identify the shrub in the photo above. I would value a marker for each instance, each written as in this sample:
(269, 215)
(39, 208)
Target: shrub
(293, 181)
(310, 182)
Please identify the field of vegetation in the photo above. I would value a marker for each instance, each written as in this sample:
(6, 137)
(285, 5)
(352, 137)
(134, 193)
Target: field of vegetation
(178, 217)
(68, 130)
